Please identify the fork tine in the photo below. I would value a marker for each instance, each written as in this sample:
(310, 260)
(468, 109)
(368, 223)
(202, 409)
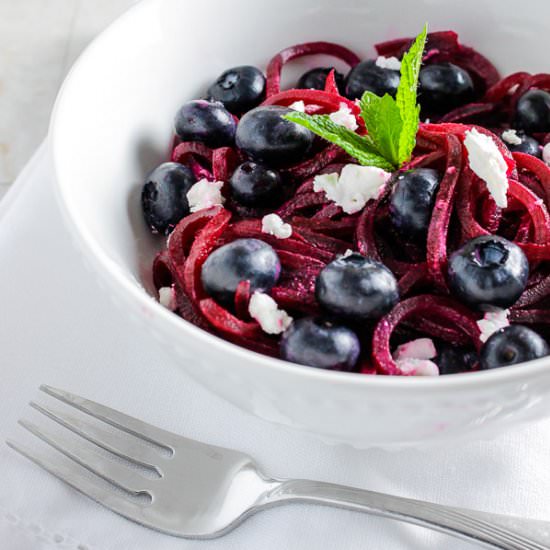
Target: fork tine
(111, 471)
(71, 474)
(122, 445)
(115, 418)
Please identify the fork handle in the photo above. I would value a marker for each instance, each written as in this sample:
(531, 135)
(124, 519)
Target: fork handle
(491, 530)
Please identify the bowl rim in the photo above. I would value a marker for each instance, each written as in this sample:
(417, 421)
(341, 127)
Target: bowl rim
(107, 267)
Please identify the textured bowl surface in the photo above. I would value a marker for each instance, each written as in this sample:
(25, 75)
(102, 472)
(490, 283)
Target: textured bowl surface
(113, 123)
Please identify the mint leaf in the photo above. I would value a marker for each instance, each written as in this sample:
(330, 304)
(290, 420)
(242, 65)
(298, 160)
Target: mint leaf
(355, 145)
(383, 121)
(392, 124)
(369, 104)
(406, 96)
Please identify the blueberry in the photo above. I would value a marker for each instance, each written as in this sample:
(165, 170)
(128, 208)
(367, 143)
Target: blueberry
(255, 185)
(316, 79)
(356, 287)
(511, 345)
(452, 360)
(488, 271)
(528, 145)
(241, 260)
(320, 343)
(367, 75)
(268, 138)
(206, 121)
(533, 111)
(443, 87)
(164, 196)
(412, 201)
(239, 88)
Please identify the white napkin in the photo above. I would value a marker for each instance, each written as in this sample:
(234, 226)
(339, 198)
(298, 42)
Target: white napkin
(57, 327)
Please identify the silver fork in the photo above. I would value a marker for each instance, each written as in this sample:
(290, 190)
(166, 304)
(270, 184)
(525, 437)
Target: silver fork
(204, 491)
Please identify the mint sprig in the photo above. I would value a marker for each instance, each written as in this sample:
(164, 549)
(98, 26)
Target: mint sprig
(406, 95)
(355, 145)
(392, 124)
(384, 125)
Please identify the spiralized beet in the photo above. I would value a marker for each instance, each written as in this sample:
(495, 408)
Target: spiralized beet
(531, 316)
(224, 162)
(468, 112)
(330, 84)
(298, 243)
(327, 101)
(536, 170)
(191, 149)
(500, 100)
(162, 270)
(436, 328)
(445, 47)
(226, 323)
(412, 279)
(276, 65)
(433, 305)
(321, 230)
(243, 333)
(534, 293)
(295, 300)
(203, 244)
(180, 240)
(436, 255)
(242, 299)
(315, 164)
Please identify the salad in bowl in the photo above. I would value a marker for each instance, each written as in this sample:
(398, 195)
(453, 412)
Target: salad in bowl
(393, 220)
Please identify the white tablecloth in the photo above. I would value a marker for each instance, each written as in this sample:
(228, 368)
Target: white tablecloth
(57, 327)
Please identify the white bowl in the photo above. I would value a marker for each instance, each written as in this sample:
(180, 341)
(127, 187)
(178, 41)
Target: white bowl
(113, 122)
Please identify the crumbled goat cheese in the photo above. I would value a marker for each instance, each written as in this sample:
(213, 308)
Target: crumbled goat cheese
(205, 194)
(413, 358)
(355, 186)
(511, 137)
(272, 224)
(418, 367)
(491, 322)
(421, 348)
(264, 309)
(546, 153)
(391, 63)
(344, 117)
(167, 297)
(298, 106)
(487, 162)
(347, 253)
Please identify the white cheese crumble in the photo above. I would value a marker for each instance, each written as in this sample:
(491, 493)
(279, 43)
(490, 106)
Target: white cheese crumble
(491, 322)
(418, 367)
(272, 224)
(344, 117)
(546, 153)
(347, 253)
(205, 194)
(355, 186)
(413, 358)
(487, 162)
(421, 348)
(298, 106)
(391, 63)
(264, 309)
(167, 297)
(511, 137)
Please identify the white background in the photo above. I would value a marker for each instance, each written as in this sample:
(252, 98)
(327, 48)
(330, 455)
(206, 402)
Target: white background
(39, 41)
